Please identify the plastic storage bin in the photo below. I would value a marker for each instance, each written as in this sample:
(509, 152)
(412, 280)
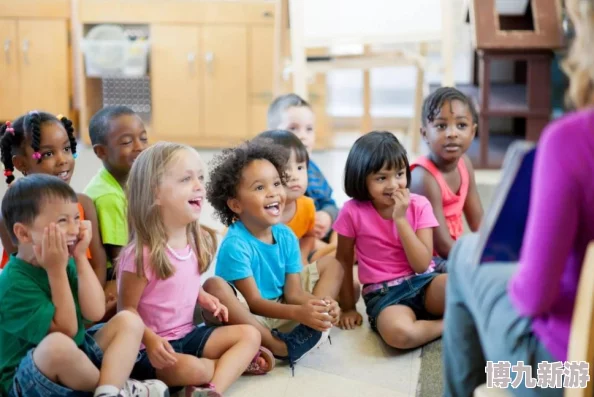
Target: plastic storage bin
(110, 53)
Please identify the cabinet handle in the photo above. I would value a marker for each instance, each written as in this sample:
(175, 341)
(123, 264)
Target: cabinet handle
(267, 14)
(209, 58)
(191, 61)
(26, 51)
(7, 44)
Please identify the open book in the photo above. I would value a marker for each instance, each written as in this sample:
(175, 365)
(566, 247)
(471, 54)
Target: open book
(502, 230)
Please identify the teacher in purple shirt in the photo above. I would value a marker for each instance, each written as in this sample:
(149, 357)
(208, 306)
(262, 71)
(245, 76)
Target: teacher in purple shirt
(522, 311)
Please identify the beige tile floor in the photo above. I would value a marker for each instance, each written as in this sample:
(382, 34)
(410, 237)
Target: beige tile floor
(357, 364)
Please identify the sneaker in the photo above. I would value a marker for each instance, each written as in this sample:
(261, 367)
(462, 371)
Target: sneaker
(207, 390)
(147, 388)
(300, 341)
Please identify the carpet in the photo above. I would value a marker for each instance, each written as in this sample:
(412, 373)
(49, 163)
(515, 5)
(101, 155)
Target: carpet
(431, 376)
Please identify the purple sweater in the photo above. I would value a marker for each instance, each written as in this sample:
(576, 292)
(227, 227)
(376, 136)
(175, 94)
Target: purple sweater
(560, 226)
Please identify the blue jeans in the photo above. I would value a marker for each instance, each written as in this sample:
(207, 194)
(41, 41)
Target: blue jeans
(410, 293)
(482, 324)
(30, 382)
(192, 344)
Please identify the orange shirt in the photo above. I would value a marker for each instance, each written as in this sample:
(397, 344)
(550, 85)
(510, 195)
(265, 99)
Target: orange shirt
(305, 217)
(82, 218)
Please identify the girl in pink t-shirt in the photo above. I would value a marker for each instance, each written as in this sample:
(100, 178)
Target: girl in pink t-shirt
(159, 278)
(391, 232)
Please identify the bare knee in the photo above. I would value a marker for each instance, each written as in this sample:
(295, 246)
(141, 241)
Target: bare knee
(128, 321)
(54, 351)
(218, 287)
(399, 336)
(330, 265)
(250, 333)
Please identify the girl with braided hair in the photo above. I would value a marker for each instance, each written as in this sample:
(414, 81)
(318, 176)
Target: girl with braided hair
(41, 143)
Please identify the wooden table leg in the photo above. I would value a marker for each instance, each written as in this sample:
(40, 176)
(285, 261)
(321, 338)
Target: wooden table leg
(485, 93)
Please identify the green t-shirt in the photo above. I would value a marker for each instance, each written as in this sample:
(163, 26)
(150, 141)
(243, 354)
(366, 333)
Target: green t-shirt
(26, 313)
(110, 203)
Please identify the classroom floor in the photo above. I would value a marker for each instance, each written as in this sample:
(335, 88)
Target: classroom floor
(357, 363)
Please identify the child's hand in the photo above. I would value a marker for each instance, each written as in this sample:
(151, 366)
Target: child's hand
(314, 314)
(350, 319)
(160, 353)
(322, 224)
(52, 254)
(84, 239)
(333, 310)
(401, 199)
(213, 305)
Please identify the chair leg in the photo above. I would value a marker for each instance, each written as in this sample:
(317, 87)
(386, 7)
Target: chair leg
(298, 55)
(415, 125)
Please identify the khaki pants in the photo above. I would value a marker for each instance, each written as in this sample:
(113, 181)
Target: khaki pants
(309, 279)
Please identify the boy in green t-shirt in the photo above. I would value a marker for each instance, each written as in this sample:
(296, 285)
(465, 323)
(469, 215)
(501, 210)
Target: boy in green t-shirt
(46, 290)
(118, 136)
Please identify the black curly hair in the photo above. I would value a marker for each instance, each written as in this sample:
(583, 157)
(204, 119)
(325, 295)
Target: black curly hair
(227, 168)
(433, 103)
(13, 136)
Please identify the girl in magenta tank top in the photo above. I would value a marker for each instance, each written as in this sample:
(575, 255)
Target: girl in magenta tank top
(446, 176)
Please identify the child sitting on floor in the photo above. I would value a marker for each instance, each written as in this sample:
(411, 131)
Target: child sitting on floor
(446, 175)
(391, 232)
(48, 289)
(300, 212)
(159, 277)
(292, 306)
(118, 136)
(41, 143)
(290, 112)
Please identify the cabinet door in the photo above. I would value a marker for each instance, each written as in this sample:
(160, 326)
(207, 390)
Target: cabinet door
(225, 83)
(261, 53)
(44, 65)
(175, 80)
(10, 103)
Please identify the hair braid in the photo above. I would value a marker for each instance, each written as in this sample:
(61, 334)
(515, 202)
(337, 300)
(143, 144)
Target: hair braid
(33, 124)
(67, 123)
(6, 141)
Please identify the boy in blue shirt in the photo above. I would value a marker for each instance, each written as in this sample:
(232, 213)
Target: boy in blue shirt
(290, 112)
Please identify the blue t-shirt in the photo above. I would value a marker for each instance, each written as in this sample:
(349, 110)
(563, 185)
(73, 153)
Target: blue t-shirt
(242, 255)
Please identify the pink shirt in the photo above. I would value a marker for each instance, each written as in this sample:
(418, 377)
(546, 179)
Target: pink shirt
(166, 306)
(379, 251)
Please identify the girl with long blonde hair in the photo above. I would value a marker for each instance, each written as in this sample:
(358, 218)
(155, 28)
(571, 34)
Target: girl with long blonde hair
(159, 278)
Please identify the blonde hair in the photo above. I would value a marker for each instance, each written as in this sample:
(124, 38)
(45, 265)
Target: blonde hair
(579, 64)
(144, 218)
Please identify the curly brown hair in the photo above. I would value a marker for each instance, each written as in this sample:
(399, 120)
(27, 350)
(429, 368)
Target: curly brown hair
(226, 170)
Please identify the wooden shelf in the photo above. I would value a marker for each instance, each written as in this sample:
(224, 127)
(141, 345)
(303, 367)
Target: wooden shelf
(506, 100)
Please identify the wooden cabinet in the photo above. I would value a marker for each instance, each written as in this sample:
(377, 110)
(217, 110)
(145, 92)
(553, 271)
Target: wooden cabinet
(35, 57)
(44, 65)
(225, 82)
(10, 97)
(176, 82)
(211, 67)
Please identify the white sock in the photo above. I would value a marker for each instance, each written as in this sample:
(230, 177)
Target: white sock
(107, 390)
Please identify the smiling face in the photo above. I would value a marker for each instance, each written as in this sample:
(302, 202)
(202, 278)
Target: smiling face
(126, 139)
(450, 134)
(383, 184)
(260, 195)
(181, 191)
(296, 178)
(64, 213)
(56, 153)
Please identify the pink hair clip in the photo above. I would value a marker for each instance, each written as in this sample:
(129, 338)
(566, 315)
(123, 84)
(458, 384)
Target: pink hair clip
(36, 155)
(9, 128)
